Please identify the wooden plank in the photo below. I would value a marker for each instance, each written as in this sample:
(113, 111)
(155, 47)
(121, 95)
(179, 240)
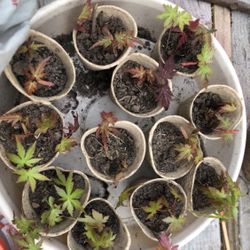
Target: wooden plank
(222, 23)
(241, 5)
(197, 8)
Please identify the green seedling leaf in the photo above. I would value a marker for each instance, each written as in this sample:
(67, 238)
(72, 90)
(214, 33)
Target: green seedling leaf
(125, 195)
(176, 224)
(48, 121)
(66, 144)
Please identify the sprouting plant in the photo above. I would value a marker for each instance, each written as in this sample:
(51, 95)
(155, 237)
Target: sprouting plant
(98, 234)
(65, 144)
(31, 175)
(172, 17)
(48, 121)
(189, 150)
(225, 199)
(85, 16)
(28, 234)
(29, 47)
(165, 242)
(154, 207)
(12, 118)
(125, 195)
(176, 223)
(35, 77)
(23, 158)
(69, 196)
(96, 221)
(116, 42)
(52, 216)
(104, 128)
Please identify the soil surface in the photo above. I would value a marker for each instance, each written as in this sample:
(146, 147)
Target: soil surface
(164, 140)
(45, 143)
(85, 40)
(206, 176)
(202, 113)
(121, 153)
(88, 83)
(152, 192)
(101, 207)
(186, 53)
(145, 34)
(134, 98)
(45, 189)
(55, 71)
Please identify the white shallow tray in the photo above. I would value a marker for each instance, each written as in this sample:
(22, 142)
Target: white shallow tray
(58, 18)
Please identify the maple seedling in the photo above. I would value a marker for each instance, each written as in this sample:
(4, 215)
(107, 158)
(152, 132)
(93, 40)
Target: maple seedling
(52, 216)
(12, 118)
(35, 76)
(29, 47)
(99, 236)
(104, 129)
(175, 223)
(156, 206)
(189, 150)
(69, 196)
(225, 199)
(165, 243)
(48, 121)
(28, 236)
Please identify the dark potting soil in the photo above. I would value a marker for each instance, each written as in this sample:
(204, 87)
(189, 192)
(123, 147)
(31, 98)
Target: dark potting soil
(55, 71)
(152, 192)
(45, 143)
(99, 55)
(145, 34)
(205, 177)
(45, 189)
(203, 115)
(165, 138)
(134, 98)
(121, 153)
(101, 207)
(186, 53)
(88, 83)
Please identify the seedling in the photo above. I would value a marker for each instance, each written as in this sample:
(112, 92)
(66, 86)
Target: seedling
(48, 121)
(35, 77)
(176, 223)
(104, 128)
(23, 158)
(117, 42)
(181, 22)
(156, 206)
(52, 216)
(30, 47)
(98, 234)
(225, 199)
(86, 15)
(28, 234)
(165, 243)
(189, 150)
(12, 118)
(69, 196)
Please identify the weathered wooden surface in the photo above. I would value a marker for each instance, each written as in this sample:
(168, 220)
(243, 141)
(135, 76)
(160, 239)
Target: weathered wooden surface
(241, 5)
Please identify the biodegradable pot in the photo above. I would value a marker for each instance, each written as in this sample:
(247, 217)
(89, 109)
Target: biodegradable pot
(3, 155)
(140, 147)
(227, 94)
(147, 62)
(58, 50)
(179, 122)
(156, 53)
(122, 240)
(143, 227)
(128, 21)
(189, 184)
(67, 224)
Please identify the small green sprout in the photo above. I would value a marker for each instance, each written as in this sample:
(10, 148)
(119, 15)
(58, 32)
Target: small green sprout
(23, 158)
(29, 47)
(125, 195)
(156, 206)
(52, 216)
(176, 223)
(65, 145)
(69, 197)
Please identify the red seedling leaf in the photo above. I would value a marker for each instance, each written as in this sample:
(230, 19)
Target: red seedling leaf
(72, 127)
(187, 64)
(167, 70)
(108, 117)
(85, 15)
(164, 95)
(193, 25)
(182, 39)
(12, 118)
(165, 242)
(30, 87)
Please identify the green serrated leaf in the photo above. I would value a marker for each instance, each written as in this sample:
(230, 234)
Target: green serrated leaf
(65, 145)
(176, 224)
(125, 195)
